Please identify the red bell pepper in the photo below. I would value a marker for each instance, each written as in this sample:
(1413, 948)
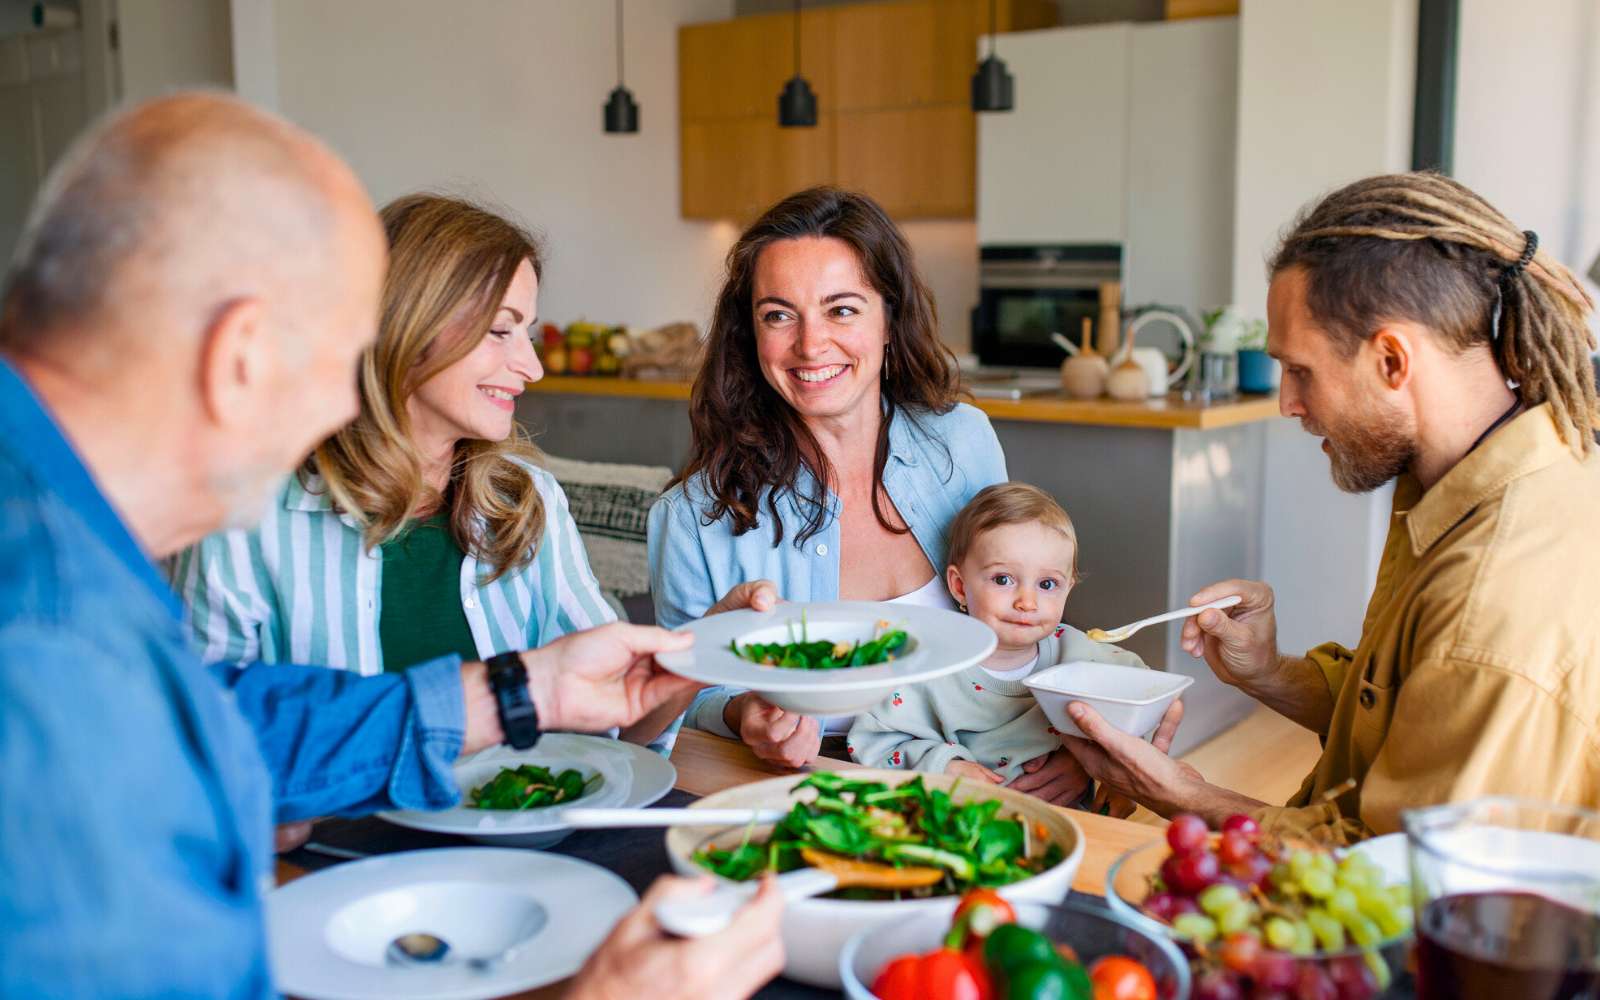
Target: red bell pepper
(939, 975)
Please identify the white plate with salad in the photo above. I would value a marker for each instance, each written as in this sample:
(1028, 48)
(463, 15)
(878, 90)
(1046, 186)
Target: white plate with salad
(515, 798)
(830, 658)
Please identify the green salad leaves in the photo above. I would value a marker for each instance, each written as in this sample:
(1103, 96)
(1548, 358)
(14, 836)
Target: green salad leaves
(529, 787)
(907, 824)
(822, 654)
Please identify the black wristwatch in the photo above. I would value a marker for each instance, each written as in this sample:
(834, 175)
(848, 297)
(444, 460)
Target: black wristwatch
(508, 679)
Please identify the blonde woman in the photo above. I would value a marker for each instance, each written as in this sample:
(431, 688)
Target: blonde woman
(424, 528)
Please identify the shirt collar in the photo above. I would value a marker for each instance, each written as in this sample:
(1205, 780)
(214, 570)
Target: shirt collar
(1525, 445)
(902, 446)
(310, 495)
(30, 433)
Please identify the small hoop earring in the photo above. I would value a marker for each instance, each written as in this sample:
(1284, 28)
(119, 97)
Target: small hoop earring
(963, 608)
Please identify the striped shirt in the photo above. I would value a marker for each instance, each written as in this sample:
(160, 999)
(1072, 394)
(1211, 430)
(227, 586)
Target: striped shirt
(300, 587)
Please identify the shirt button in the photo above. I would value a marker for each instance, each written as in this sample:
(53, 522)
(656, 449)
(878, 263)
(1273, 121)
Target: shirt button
(470, 601)
(1367, 698)
(822, 549)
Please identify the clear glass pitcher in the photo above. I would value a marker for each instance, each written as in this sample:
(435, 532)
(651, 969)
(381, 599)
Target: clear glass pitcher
(1507, 896)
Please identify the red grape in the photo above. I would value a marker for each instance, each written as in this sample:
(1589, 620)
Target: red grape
(1187, 832)
(1217, 985)
(1235, 848)
(1161, 905)
(1253, 870)
(1314, 984)
(1192, 873)
(1239, 952)
(1352, 977)
(1240, 823)
(1276, 970)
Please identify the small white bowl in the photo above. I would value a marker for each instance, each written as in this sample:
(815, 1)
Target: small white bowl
(1132, 699)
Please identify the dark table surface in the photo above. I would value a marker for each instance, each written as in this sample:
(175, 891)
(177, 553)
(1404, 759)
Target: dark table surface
(638, 856)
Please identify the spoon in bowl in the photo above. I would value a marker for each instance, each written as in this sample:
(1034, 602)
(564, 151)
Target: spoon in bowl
(421, 950)
(697, 916)
(1120, 634)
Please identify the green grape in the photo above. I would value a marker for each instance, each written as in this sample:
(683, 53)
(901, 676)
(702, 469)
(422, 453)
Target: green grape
(1362, 930)
(1283, 879)
(1305, 942)
(1324, 863)
(1237, 917)
(1342, 903)
(1329, 932)
(1361, 876)
(1380, 970)
(1217, 899)
(1281, 934)
(1377, 907)
(1317, 883)
(1192, 925)
(1400, 895)
(1300, 862)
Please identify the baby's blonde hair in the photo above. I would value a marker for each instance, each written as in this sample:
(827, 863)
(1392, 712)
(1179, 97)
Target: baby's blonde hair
(1009, 503)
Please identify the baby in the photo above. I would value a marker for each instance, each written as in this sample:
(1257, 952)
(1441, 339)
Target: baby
(1013, 561)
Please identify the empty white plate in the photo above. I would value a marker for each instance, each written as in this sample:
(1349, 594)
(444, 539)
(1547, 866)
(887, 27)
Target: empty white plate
(630, 775)
(939, 642)
(328, 932)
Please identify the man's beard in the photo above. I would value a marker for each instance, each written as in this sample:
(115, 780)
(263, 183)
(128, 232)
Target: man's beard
(1363, 457)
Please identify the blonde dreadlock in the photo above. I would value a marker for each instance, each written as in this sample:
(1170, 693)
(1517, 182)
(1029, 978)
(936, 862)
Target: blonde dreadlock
(1424, 248)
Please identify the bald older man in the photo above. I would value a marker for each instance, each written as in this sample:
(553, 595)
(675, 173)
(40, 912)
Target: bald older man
(181, 323)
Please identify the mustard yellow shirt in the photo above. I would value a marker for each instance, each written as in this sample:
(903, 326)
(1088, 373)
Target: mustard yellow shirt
(1478, 670)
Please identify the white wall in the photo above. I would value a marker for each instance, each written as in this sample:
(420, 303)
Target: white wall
(164, 44)
(500, 100)
(1528, 119)
(1325, 93)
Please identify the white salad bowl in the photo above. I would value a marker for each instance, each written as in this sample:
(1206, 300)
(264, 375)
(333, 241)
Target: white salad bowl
(815, 930)
(1131, 699)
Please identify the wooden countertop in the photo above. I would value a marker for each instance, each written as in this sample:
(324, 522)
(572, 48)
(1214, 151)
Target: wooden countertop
(1167, 413)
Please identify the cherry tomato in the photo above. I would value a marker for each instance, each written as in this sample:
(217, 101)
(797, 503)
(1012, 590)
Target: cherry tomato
(981, 911)
(1117, 977)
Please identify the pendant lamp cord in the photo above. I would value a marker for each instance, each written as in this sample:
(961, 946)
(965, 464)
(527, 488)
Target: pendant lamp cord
(796, 37)
(994, 23)
(619, 43)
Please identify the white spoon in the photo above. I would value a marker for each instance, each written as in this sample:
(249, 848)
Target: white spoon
(1120, 634)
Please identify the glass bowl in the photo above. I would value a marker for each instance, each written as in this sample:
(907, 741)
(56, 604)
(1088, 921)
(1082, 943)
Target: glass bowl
(1128, 882)
(1091, 929)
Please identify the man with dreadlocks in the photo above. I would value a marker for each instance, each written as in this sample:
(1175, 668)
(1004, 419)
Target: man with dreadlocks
(1427, 340)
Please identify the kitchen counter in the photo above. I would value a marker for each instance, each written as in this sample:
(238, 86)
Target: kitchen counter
(1164, 413)
(1166, 495)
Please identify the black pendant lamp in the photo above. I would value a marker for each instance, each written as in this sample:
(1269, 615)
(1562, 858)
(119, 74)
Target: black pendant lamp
(992, 86)
(797, 105)
(621, 111)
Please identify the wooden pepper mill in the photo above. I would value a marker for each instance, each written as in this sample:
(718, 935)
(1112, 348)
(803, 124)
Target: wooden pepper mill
(1129, 380)
(1084, 376)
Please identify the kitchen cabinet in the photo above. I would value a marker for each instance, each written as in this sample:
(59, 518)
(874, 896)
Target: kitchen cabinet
(1126, 136)
(893, 89)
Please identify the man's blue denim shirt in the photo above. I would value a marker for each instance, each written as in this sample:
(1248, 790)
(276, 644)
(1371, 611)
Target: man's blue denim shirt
(138, 788)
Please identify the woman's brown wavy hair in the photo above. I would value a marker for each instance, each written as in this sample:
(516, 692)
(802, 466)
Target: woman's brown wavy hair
(450, 263)
(745, 438)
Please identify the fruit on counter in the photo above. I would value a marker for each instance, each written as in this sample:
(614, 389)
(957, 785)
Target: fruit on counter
(553, 352)
(987, 954)
(1261, 917)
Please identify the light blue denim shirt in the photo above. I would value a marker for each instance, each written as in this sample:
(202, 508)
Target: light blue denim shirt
(137, 788)
(937, 462)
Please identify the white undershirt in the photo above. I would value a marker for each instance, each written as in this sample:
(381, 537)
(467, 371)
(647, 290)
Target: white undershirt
(930, 595)
(1015, 673)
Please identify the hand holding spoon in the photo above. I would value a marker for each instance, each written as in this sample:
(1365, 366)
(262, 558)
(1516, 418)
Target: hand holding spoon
(1121, 634)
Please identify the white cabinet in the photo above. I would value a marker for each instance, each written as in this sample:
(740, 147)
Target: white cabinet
(1123, 133)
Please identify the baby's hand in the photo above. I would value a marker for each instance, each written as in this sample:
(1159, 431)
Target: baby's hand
(1111, 804)
(970, 769)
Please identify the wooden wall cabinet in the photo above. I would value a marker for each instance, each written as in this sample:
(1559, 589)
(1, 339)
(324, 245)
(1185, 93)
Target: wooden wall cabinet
(892, 86)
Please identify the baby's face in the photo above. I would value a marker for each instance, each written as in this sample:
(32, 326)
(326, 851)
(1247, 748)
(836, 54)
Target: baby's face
(1015, 579)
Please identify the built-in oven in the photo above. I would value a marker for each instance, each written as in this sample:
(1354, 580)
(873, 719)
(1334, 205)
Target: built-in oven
(1028, 292)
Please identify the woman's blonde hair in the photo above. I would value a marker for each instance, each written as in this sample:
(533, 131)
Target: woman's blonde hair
(1009, 503)
(450, 263)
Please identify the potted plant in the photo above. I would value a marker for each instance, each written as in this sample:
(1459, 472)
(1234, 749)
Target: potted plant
(1257, 371)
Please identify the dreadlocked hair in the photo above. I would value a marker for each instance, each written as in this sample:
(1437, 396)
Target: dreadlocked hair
(1423, 248)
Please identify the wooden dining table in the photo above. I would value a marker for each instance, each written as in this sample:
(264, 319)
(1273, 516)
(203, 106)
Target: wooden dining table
(707, 764)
